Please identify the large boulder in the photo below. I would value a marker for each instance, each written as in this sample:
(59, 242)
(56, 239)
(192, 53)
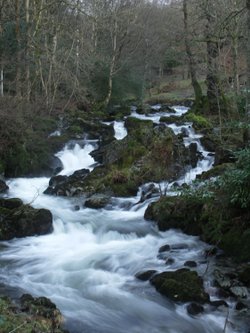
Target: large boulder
(182, 285)
(176, 212)
(18, 220)
(67, 185)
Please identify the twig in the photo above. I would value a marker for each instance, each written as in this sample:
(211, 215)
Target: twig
(18, 327)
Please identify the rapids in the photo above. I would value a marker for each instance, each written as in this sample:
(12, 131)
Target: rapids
(87, 265)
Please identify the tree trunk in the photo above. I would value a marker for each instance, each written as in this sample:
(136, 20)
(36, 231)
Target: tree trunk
(236, 83)
(18, 53)
(246, 134)
(27, 50)
(191, 61)
(112, 65)
(213, 83)
(1, 58)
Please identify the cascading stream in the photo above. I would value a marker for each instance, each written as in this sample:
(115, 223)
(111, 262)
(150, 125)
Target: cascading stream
(87, 265)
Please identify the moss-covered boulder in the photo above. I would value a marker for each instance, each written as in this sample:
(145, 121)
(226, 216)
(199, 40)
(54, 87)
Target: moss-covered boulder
(18, 220)
(176, 212)
(182, 285)
(33, 316)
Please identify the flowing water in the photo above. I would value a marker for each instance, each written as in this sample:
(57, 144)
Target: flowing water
(87, 265)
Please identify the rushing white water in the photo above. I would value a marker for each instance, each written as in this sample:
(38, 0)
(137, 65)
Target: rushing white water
(87, 265)
(119, 128)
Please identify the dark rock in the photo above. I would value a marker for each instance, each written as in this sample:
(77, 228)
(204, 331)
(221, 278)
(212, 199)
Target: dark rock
(3, 186)
(223, 293)
(56, 165)
(184, 132)
(181, 285)
(169, 261)
(10, 203)
(190, 263)
(97, 201)
(164, 248)
(193, 151)
(57, 180)
(194, 309)
(67, 185)
(240, 306)
(148, 191)
(24, 221)
(180, 246)
(219, 303)
(145, 276)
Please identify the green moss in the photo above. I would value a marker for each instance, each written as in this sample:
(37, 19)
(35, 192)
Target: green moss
(199, 122)
(11, 318)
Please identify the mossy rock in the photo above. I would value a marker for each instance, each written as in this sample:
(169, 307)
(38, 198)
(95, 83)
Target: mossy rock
(182, 285)
(216, 171)
(35, 316)
(176, 212)
(18, 220)
(199, 122)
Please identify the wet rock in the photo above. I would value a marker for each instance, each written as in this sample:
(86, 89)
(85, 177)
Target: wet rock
(184, 132)
(219, 303)
(190, 264)
(222, 280)
(97, 201)
(3, 186)
(148, 191)
(169, 261)
(20, 220)
(164, 248)
(145, 276)
(67, 185)
(240, 306)
(239, 291)
(193, 151)
(223, 293)
(194, 309)
(180, 246)
(180, 286)
(10, 203)
(57, 180)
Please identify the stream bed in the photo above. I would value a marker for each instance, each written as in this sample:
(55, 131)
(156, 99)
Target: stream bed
(87, 266)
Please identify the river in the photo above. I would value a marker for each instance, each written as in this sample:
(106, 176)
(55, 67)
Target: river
(87, 266)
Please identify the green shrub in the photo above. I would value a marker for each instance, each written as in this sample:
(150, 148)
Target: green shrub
(236, 181)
